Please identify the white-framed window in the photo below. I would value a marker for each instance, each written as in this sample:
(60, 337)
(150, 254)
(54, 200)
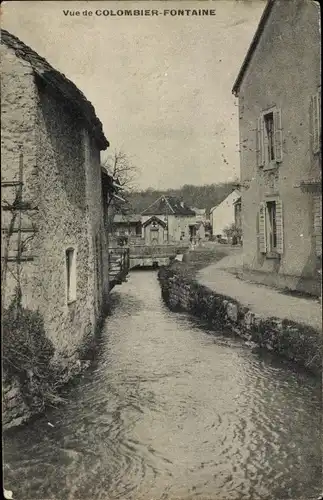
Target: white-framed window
(70, 264)
(315, 115)
(271, 230)
(269, 144)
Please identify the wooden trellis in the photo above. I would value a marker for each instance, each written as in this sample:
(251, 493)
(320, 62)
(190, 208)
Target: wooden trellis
(15, 208)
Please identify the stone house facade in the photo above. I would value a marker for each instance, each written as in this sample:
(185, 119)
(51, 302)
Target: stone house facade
(222, 215)
(51, 135)
(178, 217)
(155, 231)
(279, 94)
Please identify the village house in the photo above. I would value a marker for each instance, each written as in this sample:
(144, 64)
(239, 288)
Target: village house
(168, 220)
(279, 91)
(200, 214)
(222, 216)
(199, 231)
(51, 178)
(127, 225)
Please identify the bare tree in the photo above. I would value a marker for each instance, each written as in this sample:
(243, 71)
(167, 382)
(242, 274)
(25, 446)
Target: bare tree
(120, 167)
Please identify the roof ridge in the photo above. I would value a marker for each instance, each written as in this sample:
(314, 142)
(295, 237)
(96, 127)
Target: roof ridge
(57, 79)
(153, 203)
(165, 197)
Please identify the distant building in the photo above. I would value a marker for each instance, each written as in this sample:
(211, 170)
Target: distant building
(51, 143)
(154, 231)
(279, 91)
(200, 214)
(127, 225)
(178, 217)
(223, 215)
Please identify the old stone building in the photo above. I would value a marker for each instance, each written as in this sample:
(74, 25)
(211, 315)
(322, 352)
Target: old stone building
(222, 216)
(51, 141)
(178, 220)
(279, 94)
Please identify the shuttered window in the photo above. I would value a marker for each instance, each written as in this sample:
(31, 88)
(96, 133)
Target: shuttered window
(278, 133)
(279, 227)
(318, 224)
(316, 122)
(262, 228)
(269, 138)
(260, 143)
(271, 229)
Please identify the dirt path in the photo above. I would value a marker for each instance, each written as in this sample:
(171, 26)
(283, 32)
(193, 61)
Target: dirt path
(265, 301)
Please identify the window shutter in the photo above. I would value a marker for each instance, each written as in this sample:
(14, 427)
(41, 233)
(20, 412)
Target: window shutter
(260, 142)
(278, 136)
(319, 124)
(315, 108)
(262, 228)
(279, 227)
(318, 223)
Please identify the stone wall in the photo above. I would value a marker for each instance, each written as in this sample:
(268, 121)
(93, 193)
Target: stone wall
(14, 409)
(18, 406)
(62, 179)
(289, 40)
(298, 343)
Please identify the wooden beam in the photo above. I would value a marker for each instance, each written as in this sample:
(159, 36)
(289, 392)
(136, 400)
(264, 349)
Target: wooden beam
(22, 259)
(11, 183)
(12, 208)
(23, 230)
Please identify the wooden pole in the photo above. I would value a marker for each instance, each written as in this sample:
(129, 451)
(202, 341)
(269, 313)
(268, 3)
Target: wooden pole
(16, 205)
(19, 249)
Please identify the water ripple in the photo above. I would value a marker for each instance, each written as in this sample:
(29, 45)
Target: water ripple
(173, 411)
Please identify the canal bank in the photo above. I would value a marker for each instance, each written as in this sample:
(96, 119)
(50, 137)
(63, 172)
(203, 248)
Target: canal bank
(221, 306)
(172, 410)
(33, 377)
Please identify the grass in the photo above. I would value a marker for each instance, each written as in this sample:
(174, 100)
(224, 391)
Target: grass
(197, 259)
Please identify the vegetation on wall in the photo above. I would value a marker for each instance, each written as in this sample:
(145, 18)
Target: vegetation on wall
(27, 355)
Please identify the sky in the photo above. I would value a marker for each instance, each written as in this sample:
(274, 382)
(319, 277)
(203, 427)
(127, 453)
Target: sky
(161, 85)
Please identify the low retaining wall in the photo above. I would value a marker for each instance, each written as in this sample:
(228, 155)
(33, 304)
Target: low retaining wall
(19, 406)
(298, 343)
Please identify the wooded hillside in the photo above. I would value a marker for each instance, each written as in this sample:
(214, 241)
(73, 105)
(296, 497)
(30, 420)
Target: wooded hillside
(206, 196)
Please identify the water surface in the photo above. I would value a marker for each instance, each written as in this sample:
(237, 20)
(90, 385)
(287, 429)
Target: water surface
(172, 411)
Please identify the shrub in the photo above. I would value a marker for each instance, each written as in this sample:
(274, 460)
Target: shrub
(27, 354)
(25, 346)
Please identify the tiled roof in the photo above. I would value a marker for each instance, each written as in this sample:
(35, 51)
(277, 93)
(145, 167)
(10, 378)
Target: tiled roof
(168, 205)
(127, 219)
(59, 81)
(154, 219)
(199, 211)
(235, 191)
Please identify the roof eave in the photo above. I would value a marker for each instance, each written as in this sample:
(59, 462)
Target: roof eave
(252, 47)
(98, 134)
(55, 79)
